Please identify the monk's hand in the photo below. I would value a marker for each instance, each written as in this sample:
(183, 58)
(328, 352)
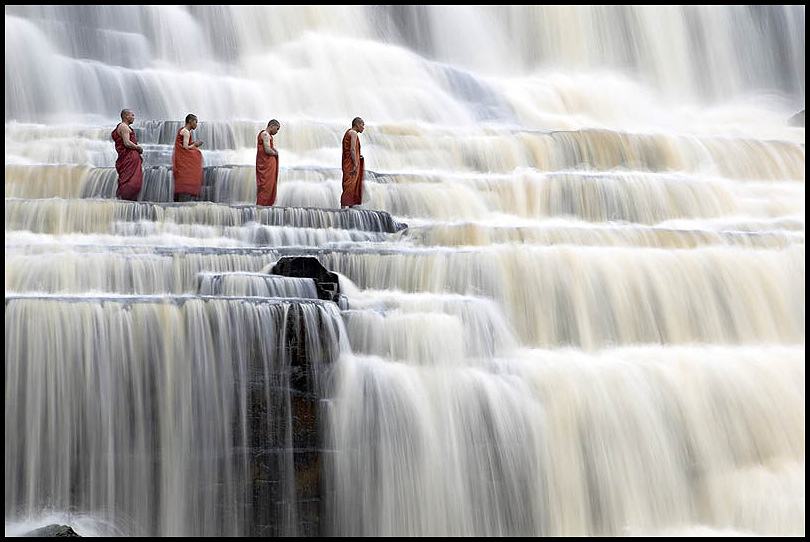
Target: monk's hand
(199, 143)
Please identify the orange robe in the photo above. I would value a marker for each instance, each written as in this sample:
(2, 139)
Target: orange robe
(352, 184)
(187, 166)
(129, 167)
(266, 173)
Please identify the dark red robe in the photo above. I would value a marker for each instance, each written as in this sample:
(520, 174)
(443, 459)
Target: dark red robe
(352, 184)
(129, 166)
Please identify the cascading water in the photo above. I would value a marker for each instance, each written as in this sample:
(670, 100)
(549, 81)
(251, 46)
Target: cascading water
(592, 325)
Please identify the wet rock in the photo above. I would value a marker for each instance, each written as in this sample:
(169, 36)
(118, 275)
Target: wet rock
(53, 530)
(797, 119)
(326, 283)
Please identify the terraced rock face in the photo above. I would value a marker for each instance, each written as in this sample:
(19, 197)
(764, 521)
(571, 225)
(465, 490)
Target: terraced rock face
(571, 304)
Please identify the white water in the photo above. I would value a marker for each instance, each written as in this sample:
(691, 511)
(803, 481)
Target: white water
(593, 326)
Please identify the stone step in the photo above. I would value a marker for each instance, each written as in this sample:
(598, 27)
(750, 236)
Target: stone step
(99, 216)
(231, 183)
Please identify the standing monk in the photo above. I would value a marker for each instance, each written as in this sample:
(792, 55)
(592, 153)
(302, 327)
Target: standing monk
(187, 163)
(129, 163)
(267, 165)
(352, 164)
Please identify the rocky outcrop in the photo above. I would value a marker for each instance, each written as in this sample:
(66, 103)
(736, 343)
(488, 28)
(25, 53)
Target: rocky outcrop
(326, 282)
(284, 430)
(797, 119)
(53, 530)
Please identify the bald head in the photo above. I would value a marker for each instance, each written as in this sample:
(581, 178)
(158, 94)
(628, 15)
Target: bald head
(358, 124)
(273, 127)
(127, 116)
(191, 121)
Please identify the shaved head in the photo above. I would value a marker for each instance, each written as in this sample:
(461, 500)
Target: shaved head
(125, 112)
(356, 121)
(274, 122)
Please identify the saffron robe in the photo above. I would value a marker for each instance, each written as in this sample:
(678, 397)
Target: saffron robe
(266, 173)
(187, 167)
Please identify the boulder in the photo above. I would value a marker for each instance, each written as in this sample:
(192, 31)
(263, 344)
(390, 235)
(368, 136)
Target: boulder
(53, 530)
(326, 283)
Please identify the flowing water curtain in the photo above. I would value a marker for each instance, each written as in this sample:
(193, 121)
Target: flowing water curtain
(166, 417)
(630, 180)
(564, 443)
(256, 285)
(752, 48)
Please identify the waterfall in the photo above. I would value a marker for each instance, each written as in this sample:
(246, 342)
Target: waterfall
(149, 409)
(256, 285)
(551, 443)
(571, 304)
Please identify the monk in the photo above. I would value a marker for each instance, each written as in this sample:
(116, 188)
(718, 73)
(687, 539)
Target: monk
(353, 166)
(130, 163)
(187, 163)
(267, 164)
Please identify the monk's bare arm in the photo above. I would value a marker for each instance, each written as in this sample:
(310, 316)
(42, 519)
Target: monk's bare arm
(267, 148)
(187, 143)
(124, 131)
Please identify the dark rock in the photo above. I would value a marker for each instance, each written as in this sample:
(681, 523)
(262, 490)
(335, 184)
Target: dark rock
(307, 474)
(304, 420)
(281, 454)
(309, 517)
(797, 119)
(326, 283)
(53, 530)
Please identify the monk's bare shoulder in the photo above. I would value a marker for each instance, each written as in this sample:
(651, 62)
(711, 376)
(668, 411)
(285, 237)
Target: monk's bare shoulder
(266, 137)
(124, 129)
(184, 130)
